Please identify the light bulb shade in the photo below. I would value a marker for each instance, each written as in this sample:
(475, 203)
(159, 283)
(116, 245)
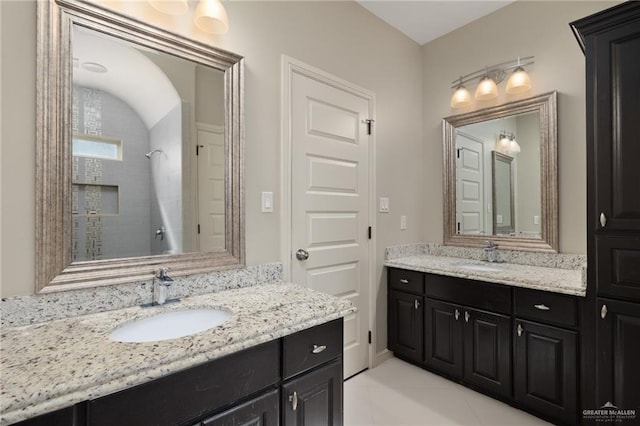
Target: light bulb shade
(503, 143)
(487, 89)
(519, 82)
(170, 7)
(514, 147)
(461, 97)
(211, 17)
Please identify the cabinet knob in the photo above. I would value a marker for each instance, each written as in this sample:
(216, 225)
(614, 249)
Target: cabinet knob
(603, 311)
(416, 304)
(293, 399)
(317, 349)
(603, 219)
(457, 314)
(542, 307)
(520, 330)
(404, 281)
(466, 316)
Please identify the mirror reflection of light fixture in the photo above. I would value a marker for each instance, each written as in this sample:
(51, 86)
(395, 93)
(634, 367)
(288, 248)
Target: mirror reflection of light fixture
(211, 17)
(507, 143)
(170, 7)
(490, 77)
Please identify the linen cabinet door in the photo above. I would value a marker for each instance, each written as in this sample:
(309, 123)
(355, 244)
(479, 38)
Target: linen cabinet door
(545, 370)
(443, 337)
(618, 359)
(487, 351)
(406, 329)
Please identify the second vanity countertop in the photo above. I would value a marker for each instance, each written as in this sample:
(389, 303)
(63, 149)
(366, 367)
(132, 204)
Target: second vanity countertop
(566, 281)
(56, 364)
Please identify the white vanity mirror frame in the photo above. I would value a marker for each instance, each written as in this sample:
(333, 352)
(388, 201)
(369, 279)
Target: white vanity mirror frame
(546, 105)
(55, 270)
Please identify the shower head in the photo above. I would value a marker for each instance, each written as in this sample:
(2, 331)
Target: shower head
(149, 154)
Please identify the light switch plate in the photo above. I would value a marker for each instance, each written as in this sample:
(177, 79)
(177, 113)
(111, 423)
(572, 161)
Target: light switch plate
(267, 202)
(536, 220)
(384, 205)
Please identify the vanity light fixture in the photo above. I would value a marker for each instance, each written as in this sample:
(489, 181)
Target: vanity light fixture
(170, 7)
(490, 77)
(210, 15)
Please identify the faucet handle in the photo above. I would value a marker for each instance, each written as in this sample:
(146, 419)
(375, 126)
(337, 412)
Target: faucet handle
(490, 244)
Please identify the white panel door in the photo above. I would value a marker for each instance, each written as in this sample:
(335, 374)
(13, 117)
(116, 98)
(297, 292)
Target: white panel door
(211, 161)
(469, 186)
(330, 202)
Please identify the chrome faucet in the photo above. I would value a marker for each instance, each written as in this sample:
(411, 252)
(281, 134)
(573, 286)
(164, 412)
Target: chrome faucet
(161, 286)
(490, 250)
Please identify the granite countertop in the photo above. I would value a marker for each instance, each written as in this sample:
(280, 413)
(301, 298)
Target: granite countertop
(567, 281)
(58, 363)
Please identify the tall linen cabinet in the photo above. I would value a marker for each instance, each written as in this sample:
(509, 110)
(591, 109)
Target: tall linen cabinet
(611, 43)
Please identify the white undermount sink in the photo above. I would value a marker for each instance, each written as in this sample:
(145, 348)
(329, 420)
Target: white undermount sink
(169, 325)
(477, 268)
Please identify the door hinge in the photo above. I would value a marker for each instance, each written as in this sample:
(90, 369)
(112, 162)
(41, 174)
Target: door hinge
(458, 227)
(458, 153)
(198, 149)
(198, 228)
(369, 336)
(369, 232)
(369, 124)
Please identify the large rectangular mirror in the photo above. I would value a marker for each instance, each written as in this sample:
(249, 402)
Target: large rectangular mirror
(139, 150)
(501, 176)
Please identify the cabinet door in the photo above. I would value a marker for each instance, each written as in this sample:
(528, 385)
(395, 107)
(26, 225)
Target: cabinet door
(617, 128)
(545, 370)
(618, 359)
(261, 411)
(405, 324)
(487, 351)
(443, 337)
(314, 398)
(618, 274)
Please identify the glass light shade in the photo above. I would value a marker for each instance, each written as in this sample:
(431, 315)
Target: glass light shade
(519, 82)
(170, 7)
(211, 17)
(487, 89)
(514, 147)
(503, 144)
(461, 97)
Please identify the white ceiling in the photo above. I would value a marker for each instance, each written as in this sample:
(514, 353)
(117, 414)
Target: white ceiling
(425, 20)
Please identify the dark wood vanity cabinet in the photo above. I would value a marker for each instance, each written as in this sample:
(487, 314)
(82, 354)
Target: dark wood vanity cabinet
(546, 353)
(611, 42)
(519, 345)
(294, 380)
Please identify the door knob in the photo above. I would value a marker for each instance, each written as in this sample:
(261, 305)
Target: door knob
(302, 254)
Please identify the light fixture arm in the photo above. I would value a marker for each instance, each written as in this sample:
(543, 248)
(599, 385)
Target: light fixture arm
(497, 72)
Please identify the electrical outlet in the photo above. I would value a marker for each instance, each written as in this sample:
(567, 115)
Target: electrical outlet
(403, 222)
(499, 219)
(536, 220)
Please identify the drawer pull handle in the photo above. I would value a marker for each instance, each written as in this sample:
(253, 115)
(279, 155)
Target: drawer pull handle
(457, 314)
(466, 316)
(404, 281)
(317, 349)
(293, 399)
(520, 330)
(542, 307)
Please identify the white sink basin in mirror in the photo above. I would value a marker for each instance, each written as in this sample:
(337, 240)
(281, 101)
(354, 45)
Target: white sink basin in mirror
(169, 325)
(477, 268)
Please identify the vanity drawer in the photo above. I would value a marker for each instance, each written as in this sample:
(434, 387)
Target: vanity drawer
(476, 294)
(553, 308)
(405, 280)
(310, 348)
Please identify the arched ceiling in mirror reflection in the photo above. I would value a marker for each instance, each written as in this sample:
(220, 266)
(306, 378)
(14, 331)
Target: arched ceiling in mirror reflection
(130, 75)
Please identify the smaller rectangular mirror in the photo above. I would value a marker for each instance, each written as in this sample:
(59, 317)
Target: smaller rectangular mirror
(501, 176)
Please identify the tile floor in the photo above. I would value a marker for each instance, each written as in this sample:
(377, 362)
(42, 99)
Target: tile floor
(398, 393)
